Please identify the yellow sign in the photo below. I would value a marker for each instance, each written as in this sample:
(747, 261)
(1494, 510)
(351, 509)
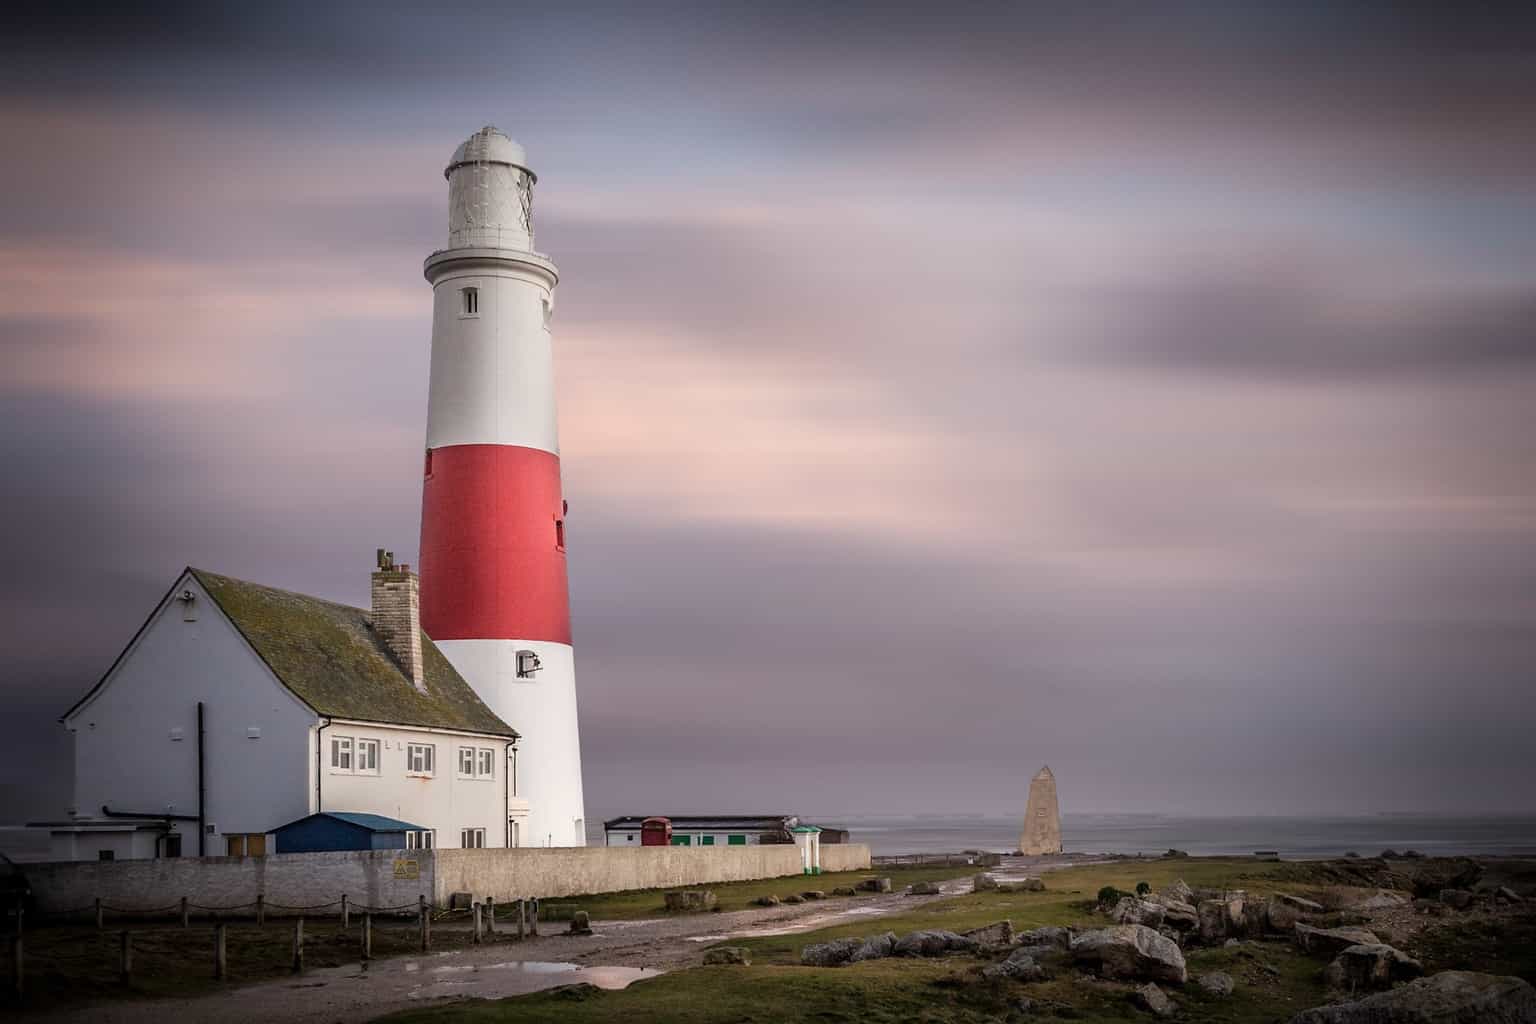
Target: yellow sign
(407, 869)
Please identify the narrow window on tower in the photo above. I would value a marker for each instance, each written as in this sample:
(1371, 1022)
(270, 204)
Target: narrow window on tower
(560, 534)
(428, 473)
(469, 302)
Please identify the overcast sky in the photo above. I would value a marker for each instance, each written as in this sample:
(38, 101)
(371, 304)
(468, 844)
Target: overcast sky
(1149, 392)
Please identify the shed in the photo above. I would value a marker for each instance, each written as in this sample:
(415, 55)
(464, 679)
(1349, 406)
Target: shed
(342, 830)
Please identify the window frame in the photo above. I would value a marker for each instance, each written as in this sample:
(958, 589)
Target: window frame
(358, 746)
(420, 839)
(485, 762)
(469, 302)
(343, 755)
(428, 760)
(472, 838)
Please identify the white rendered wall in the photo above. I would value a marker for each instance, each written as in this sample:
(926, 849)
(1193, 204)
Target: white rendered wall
(444, 802)
(492, 373)
(543, 710)
(125, 756)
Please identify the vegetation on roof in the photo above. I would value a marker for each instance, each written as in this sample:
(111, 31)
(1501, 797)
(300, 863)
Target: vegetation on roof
(330, 657)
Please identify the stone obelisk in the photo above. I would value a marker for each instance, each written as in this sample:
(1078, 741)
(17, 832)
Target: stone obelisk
(1042, 816)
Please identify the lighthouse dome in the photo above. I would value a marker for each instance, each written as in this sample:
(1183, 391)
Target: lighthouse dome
(489, 145)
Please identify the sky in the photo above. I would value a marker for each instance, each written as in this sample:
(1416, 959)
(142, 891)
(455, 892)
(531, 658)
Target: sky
(1148, 390)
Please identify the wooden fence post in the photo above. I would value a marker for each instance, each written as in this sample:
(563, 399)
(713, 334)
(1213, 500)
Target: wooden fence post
(522, 919)
(346, 916)
(367, 936)
(533, 919)
(261, 909)
(298, 945)
(490, 914)
(98, 913)
(476, 910)
(184, 915)
(125, 959)
(426, 922)
(18, 984)
(220, 961)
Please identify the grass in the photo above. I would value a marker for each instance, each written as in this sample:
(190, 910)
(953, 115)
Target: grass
(775, 988)
(642, 903)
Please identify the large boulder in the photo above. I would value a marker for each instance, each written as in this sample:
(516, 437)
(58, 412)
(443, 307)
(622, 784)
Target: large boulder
(1220, 919)
(1216, 983)
(1383, 900)
(1047, 935)
(1331, 941)
(830, 954)
(1020, 966)
(984, 883)
(1370, 967)
(1180, 915)
(1450, 997)
(875, 885)
(770, 900)
(1154, 1000)
(1131, 910)
(1430, 876)
(875, 948)
(1000, 934)
(924, 889)
(1461, 899)
(728, 955)
(935, 942)
(1130, 951)
(1508, 895)
(581, 923)
(690, 901)
(1179, 890)
(1300, 903)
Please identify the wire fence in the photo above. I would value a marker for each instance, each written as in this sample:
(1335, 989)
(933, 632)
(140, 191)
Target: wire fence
(61, 941)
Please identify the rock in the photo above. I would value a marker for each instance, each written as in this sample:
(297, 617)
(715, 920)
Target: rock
(830, 954)
(984, 883)
(844, 890)
(1154, 1000)
(728, 955)
(1030, 885)
(1172, 934)
(767, 901)
(875, 885)
(877, 948)
(1445, 873)
(1179, 890)
(1369, 967)
(1130, 951)
(1046, 935)
(1180, 915)
(1332, 940)
(1176, 853)
(813, 894)
(690, 900)
(1450, 997)
(1255, 918)
(1216, 983)
(924, 889)
(1213, 917)
(1305, 906)
(793, 899)
(1019, 966)
(936, 942)
(1131, 910)
(1509, 895)
(1231, 943)
(1383, 900)
(1280, 916)
(1000, 934)
(581, 923)
(1460, 899)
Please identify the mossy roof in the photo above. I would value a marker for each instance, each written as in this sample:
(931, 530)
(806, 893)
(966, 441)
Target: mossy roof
(332, 660)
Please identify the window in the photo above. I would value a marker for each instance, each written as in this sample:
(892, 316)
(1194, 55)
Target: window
(172, 846)
(472, 838)
(420, 759)
(105, 855)
(427, 469)
(341, 755)
(477, 763)
(469, 301)
(368, 757)
(560, 534)
(486, 766)
(419, 840)
(681, 841)
(247, 845)
(467, 762)
(527, 664)
(735, 840)
(706, 840)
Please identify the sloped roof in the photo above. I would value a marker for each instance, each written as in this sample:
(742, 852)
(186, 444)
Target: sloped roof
(371, 822)
(332, 660)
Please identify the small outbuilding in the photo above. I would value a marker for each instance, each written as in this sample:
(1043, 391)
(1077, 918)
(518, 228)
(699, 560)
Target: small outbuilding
(343, 830)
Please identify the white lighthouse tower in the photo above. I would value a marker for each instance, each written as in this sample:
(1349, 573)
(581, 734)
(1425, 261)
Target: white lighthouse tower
(493, 581)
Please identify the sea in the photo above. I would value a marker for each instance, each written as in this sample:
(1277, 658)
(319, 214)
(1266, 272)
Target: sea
(1293, 838)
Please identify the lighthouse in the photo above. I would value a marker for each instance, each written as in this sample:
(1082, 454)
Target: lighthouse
(493, 579)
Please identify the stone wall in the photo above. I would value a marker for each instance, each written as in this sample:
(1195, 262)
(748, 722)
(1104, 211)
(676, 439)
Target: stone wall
(374, 878)
(390, 878)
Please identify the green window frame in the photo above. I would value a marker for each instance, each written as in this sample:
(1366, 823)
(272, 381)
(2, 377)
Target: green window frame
(681, 841)
(735, 840)
(706, 840)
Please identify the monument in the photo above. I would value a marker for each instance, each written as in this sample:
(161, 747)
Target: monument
(1042, 816)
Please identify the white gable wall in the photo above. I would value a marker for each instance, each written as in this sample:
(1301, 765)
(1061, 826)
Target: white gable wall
(127, 759)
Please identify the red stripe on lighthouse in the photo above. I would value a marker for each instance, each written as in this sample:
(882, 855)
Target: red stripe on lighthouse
(492, 564)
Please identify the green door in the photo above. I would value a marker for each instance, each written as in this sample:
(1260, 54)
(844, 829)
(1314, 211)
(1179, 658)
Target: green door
(735, 840)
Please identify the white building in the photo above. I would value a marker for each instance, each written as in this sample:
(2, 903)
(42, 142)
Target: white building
(238, 708)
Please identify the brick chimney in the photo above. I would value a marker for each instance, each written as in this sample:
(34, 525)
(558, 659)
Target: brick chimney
(397, 614)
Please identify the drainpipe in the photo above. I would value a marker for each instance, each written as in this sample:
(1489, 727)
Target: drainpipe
(319, 774)
(202, 788)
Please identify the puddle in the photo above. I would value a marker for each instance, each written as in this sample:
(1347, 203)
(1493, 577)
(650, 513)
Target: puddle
(516, 977)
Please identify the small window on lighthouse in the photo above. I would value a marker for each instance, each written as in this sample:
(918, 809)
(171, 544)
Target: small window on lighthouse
(560, 534)
(469, 302)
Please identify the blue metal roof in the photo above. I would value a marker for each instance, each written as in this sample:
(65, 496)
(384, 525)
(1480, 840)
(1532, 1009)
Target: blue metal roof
(371, 822)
